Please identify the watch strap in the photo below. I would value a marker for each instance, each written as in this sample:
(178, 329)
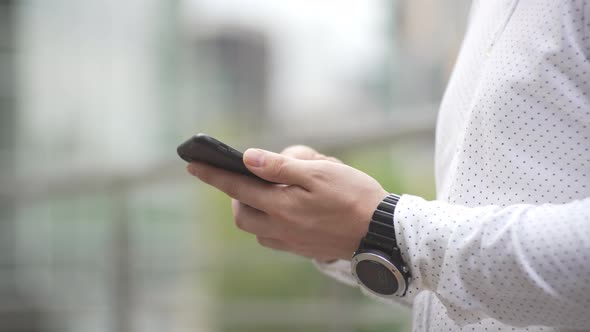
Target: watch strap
(381, 234)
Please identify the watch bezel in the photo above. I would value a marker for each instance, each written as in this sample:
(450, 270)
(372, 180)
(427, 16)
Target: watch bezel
(379, 258)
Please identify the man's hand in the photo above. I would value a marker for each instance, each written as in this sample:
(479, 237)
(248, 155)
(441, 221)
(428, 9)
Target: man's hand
(322, 210)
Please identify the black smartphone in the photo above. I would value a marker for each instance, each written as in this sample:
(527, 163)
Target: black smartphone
(204, 148)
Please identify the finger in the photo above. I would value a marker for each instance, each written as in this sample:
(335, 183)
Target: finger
(245, 189)
(277, 168)
(254, 221)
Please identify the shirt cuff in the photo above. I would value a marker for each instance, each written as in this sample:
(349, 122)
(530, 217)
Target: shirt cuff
(339, 270)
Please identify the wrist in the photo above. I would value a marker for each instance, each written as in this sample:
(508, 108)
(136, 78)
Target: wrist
(364, 218)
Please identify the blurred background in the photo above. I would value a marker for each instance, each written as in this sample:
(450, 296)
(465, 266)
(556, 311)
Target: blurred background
(102, 229)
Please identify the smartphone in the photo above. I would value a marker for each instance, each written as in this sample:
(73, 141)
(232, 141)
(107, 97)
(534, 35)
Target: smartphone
(204, 148)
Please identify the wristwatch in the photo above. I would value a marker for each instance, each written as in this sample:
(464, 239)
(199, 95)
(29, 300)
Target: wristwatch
(377, 264)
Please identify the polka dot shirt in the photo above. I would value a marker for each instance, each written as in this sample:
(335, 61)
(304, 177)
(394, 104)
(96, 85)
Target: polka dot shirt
(506, 246)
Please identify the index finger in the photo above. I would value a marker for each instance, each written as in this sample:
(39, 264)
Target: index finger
(250, 191)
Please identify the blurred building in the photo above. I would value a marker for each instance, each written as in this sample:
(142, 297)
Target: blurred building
(100, 227)
(18, 311)
(236, 63)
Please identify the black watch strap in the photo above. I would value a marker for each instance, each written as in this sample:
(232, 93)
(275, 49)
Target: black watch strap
(381, 235)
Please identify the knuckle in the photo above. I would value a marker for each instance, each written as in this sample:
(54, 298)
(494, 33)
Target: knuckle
(278, 167)
(204, 175)
(297, 151)
(319, 171)
(291, 150)
(231, 189)
(287, 203)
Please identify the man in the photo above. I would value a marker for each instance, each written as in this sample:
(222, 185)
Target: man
(506, 246)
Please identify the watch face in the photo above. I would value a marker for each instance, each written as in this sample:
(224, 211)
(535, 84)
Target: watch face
(376, 277)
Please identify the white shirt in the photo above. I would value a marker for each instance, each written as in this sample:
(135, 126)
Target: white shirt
(506, 246)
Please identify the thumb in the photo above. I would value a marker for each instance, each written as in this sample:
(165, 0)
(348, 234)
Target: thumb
(275, 167)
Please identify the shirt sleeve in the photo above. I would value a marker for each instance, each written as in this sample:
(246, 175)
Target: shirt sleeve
(520, 264)
(586, 25)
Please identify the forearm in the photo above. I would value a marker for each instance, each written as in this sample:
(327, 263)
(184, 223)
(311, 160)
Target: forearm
(521, 264)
